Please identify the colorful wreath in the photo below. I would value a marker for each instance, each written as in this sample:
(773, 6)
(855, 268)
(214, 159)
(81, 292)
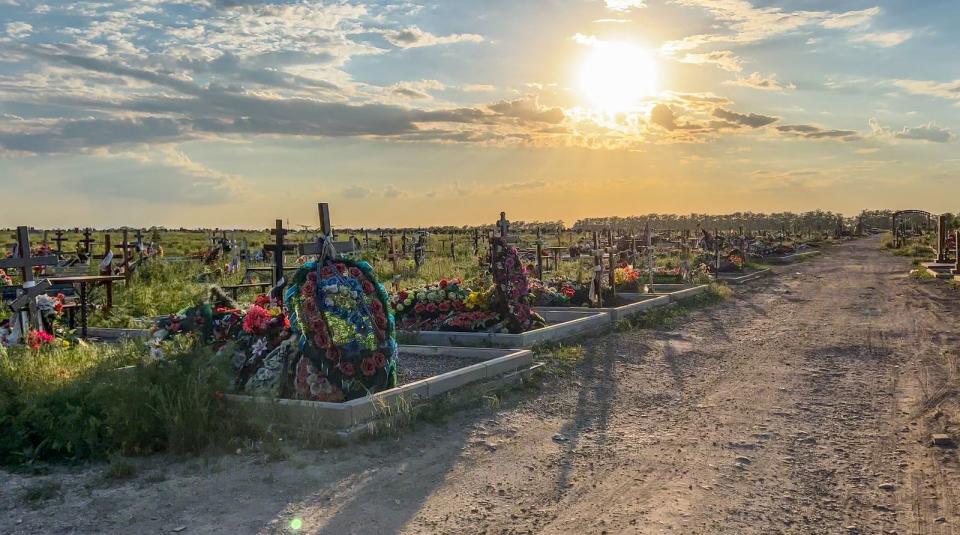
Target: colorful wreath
(346, 331)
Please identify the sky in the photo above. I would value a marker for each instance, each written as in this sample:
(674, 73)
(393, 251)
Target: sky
(233, 113)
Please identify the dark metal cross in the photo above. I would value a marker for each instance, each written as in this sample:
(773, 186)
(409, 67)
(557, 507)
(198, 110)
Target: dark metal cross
(87, 240)
(278, 248)
(316, 248)
(59, 239)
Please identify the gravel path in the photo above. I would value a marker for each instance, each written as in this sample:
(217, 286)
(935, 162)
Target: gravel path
(803, 405)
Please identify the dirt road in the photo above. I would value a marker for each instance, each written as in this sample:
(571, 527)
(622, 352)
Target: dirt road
(803, 405)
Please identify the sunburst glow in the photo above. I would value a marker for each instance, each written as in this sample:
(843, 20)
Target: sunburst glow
(615, 77)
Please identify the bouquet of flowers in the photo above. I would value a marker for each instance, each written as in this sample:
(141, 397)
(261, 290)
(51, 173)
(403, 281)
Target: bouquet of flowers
(626, 276)
(666, 273)
(5, 280)
(427, 307)
(558, 291)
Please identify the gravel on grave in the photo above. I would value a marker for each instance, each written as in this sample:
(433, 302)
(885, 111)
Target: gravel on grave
(412, 367)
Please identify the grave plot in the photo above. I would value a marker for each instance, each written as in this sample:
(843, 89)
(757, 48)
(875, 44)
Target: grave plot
(424, 372)
(450, 313)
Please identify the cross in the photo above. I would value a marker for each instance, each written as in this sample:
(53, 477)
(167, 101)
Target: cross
(316, 248)
(26, 263)
(87, 240)
(503, 225)
(278, 248)
(59, 239)
(393, 256)
(23, 260)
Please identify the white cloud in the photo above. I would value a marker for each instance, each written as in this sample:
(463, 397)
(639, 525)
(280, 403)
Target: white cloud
(19, 30)
(883, 39)
(413, 37)
(625, 5)
(946, 90)
(930, 132)
(758, 81)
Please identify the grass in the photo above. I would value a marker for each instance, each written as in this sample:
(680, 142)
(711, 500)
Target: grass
(94, 402)
(42, 491)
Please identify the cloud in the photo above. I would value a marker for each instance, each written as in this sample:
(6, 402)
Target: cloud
(625, 5)
(748, 24)
(809, 131)
(852, 19)
(355, 192)
(413, 37)
(478, 88)
(724, 59)
(662, 116)
(523, 185)
(758, 81)
(929, 132)
(528, 109)
(946, 90)
(391, 192)
(883, 39)
(751, 120)
(19, 30)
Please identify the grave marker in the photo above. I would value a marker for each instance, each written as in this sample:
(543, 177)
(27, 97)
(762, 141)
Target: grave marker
(25, 263)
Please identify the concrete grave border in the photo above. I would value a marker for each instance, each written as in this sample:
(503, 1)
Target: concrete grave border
(740, 279)
(493, 365)
(564, 324)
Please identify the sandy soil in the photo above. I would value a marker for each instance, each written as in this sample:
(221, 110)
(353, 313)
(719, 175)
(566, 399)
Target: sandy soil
(804, 405)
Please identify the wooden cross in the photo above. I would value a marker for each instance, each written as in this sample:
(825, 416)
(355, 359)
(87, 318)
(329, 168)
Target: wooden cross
(59, 239)
(26, 263)
(316, 248)
(278, 248)
(393, 256)
(503, 225)
(23, 261)
(86, 241)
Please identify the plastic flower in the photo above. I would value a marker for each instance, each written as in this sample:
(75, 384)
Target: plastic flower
(368, 367)
(256, 320)
(37, 339)
(347, 369)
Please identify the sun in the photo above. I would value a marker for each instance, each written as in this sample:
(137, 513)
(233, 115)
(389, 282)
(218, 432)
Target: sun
(615, 77)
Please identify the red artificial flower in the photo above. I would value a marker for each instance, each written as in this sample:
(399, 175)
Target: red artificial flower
(444, 307)
(402, 296)
(37, 339)
(379, 360)
(419, 308)
(309, 289)
(312, 276)
(431, 308)
(355, 272)
(256, 320)
(310, 306)
(262, 300)
(443, 283)
(376, 305)
(332, 354)
(341, 267)
(218, 394)
(320, 338)
(369, 288)
(286, 322)
(380, 320)
(368, 367)
(347, 369)
(326, 272)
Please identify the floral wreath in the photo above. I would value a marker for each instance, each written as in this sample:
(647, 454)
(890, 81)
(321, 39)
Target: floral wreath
(511, 288)
(346, 331)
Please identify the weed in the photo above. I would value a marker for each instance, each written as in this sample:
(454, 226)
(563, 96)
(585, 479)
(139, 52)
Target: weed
(42, 491)
(120, 469)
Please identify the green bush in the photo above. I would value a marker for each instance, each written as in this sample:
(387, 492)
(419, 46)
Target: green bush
(91, 402)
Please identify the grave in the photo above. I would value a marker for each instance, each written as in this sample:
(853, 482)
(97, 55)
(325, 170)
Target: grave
(560, 325)
(430, 372)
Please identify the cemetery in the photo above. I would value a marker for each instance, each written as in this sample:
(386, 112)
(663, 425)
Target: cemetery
(347, 326)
